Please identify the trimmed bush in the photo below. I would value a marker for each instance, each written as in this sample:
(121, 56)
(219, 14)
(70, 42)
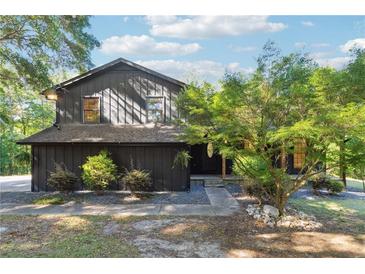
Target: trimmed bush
(318, 182)
(62, 179)
(259, 190)
(321, 182)
(99, 171)
(137, 180)
(335, 186)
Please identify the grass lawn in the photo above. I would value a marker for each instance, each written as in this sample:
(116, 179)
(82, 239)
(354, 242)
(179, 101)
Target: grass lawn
(355, 184)
(166, 236)
(46, 236)
(49, 200)
(347, 213)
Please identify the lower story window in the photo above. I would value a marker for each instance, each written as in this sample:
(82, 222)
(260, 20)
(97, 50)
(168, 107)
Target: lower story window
(299, 154)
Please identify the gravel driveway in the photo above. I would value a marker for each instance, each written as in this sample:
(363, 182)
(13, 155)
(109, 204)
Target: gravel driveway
(15, 183)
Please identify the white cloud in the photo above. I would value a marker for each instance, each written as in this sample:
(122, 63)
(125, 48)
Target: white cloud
(355, 43)
(145, 45)
(300, 45)
(210, 26)
(335, 62)
(320, 45)
(242, 49)
(307, 23)
(187, 70)
(320, 55)
(326, 59)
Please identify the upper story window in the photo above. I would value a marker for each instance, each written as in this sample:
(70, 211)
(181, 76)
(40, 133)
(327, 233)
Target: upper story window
(155, 109)
(299, 154)
(91, 108)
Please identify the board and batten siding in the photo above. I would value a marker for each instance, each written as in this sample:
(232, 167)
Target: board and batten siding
(156, 158)
(122, 91)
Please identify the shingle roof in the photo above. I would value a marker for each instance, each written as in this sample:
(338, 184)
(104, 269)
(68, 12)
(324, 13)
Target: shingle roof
(105, 133)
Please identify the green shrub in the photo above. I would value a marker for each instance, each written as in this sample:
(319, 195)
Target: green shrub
(62, 179)
(137, 180)
(335, 186)
(99, 171)
(262, 191)
(318, 182)
(182, 159)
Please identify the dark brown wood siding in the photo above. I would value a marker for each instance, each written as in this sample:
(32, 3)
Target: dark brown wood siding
(156, 158)
(122, 91)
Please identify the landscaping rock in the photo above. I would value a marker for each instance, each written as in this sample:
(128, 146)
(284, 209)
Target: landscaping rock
(292, 219)
(111, 228)
(3, 229)
(271, 211)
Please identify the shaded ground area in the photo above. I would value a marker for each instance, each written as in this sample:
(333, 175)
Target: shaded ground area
(234, 236)
(342, 233)
(198, 196)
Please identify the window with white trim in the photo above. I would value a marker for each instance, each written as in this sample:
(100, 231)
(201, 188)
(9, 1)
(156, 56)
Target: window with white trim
(155, 109)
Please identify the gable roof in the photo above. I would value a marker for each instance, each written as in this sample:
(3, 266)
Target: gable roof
(105, 133)
(115, 63)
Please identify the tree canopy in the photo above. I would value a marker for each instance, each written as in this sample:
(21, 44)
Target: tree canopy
(258, 120)
(35, 51)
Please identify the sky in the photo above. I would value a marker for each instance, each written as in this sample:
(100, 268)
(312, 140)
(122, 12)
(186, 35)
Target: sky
(205, 47)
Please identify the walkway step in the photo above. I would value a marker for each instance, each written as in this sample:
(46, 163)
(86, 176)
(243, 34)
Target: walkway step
(213, 183)
(220, 197)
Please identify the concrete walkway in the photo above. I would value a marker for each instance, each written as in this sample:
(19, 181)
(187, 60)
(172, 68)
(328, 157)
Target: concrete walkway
(17, 183)
(221, 204)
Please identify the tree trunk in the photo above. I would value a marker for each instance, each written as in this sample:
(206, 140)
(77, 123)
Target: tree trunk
(342, 163)
(223, 167)
(280, 199)
(283, 164)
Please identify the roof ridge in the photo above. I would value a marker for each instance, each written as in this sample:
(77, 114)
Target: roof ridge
(114, 63)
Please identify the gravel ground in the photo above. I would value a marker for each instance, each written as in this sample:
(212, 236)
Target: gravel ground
(351, 193)
(234, 188)
(197, 195)
(308, 193)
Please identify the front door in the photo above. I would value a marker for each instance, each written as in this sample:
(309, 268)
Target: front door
(202, 164)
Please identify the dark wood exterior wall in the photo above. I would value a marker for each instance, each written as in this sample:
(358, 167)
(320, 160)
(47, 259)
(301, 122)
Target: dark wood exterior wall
(202, 164)
(122, 91)
(157, 158)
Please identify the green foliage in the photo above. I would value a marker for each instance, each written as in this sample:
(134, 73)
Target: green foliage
(341, 99)
(35, 50)
(262, 191)
(35, 47)
(182, 159)
(335, 186)
(318, 181)
(99, 171)
(256, 120)
(137, 180)
(62, 179)
(49, 200)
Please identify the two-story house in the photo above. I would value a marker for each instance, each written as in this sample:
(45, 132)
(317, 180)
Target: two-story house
(126, 109)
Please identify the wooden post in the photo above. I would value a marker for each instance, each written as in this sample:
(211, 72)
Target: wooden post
(223, 167)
